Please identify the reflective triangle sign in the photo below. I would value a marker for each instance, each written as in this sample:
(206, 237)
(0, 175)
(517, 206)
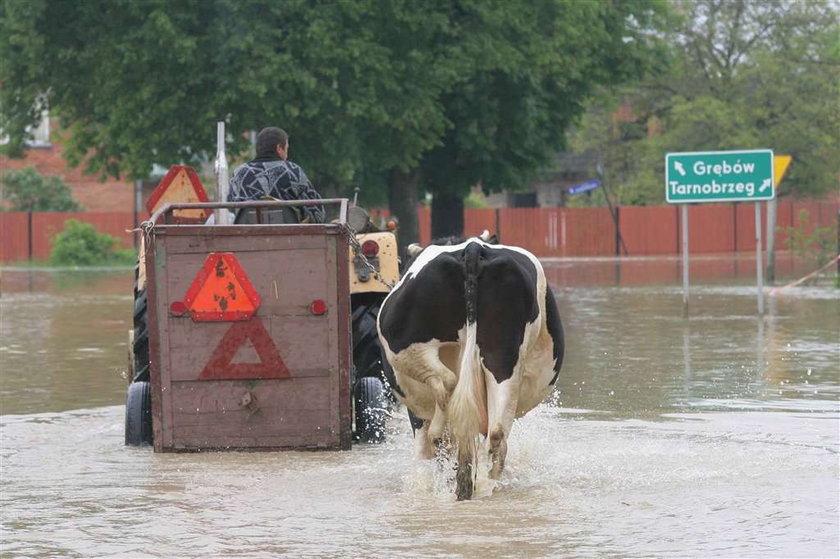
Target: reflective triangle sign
(180, 184)
(780, 167)
(270, 364)
(221, 291)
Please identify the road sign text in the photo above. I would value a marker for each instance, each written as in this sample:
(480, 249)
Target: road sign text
(722, 176)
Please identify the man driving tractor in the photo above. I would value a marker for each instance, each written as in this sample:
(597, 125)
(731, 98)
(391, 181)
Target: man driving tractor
(270, 175)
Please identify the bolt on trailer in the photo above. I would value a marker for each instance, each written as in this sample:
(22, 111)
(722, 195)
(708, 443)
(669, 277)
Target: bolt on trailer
(248, 333)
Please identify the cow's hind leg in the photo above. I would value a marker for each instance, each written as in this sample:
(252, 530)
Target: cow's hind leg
(464, 477)
(501, 407)
(422, 363)
(422, 444)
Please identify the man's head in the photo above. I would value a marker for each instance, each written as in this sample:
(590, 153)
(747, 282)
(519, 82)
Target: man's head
(272, 142)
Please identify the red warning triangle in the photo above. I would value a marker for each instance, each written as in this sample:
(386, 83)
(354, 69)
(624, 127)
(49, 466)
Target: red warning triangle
(180, 184)
(221, 291)
(270, 365)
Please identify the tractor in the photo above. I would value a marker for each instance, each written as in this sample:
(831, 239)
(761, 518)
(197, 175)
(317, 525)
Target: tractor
(373, 266)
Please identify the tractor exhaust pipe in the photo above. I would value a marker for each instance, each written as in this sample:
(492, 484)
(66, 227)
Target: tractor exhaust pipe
(220, 167)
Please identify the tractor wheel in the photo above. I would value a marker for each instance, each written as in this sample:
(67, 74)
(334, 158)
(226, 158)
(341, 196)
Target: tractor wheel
(371, 408)
(140, 341)
(138, 414)
(367, 353)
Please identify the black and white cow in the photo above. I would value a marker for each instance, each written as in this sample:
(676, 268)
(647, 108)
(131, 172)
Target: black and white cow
(472, 339)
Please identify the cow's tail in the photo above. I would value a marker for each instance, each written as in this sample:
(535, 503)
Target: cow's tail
(468, 405)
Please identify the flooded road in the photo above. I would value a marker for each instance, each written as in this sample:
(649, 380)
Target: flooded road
(716, 435)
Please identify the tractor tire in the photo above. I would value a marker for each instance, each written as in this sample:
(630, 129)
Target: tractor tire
(371, 409)
(367, 352)
(140, 343)
(138, 414)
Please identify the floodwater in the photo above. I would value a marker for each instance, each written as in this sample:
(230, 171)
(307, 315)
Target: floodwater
(715, 435)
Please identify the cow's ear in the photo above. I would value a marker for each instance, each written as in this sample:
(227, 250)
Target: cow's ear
(485, 236)
(413, 249)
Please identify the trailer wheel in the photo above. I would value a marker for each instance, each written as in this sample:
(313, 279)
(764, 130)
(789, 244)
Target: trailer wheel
(138, 414)
(371, 409)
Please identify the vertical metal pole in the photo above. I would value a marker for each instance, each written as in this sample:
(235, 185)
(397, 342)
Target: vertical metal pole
(221, 168)
(685, 257)
(771, 241)
(759, 265)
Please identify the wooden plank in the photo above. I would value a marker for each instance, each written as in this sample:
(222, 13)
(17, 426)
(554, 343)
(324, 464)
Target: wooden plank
(280, 413)
(206, 239)
(303, 344)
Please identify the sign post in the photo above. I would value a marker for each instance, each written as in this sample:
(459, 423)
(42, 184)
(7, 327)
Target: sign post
(720, 176)
(685, 257)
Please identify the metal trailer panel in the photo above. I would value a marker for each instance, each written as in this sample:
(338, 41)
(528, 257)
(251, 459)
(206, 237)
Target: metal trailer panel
(290, 266)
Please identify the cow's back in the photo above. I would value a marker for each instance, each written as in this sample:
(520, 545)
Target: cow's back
(428, 305)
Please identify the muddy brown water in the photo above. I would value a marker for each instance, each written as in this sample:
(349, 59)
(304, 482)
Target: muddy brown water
(716, 435)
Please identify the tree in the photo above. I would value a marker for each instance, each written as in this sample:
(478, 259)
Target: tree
(526, 70)
(136, 83)
(380, 92)
(745, 74)
(29, 191)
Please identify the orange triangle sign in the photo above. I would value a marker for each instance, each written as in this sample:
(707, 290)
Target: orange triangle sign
(180, 184)
(270, 365)
(221, 291)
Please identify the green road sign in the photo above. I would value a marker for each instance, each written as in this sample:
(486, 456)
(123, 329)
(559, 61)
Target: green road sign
(719, 176)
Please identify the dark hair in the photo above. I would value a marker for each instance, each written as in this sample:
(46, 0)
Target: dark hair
(268, 139)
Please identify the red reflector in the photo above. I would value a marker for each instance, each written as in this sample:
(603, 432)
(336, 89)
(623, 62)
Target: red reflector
(370, 249)
(318, 307)
(178, 308)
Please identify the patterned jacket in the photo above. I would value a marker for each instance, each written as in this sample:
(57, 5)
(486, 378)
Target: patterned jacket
(274, 178)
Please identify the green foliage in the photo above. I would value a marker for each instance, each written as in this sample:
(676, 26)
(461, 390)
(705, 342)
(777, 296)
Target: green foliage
(355, 83)
(815, 244)
(448, 93)
(525, 70)
(29, 191)
(745, 74)
(81, 245)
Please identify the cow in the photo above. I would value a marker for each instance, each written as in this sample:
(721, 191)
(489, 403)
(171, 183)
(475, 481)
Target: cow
(472, 339)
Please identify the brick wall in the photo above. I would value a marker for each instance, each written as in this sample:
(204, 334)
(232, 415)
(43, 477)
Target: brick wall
(93, 194)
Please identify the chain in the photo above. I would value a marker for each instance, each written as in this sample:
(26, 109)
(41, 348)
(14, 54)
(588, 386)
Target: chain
(357, 253)
(147, 227)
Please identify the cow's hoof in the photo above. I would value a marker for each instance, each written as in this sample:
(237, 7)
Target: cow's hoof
(464, 483)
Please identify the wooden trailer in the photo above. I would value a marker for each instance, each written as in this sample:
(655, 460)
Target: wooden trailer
(249, 332)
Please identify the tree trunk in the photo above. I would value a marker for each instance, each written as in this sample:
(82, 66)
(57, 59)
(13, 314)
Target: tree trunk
(402, 199)
(447, 216)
